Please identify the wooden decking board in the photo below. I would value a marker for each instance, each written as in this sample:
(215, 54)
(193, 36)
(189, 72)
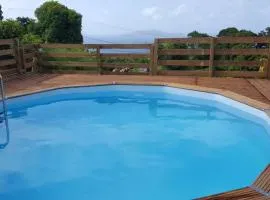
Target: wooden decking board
(263, 181)
(239, 194)
(258, 191)
(236, 85)
(261, 85)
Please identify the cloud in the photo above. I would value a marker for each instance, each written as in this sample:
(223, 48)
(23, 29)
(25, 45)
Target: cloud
(105, 12)
(152, 12)
(179, 10)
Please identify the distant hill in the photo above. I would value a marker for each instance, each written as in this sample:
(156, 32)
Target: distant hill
(146, 36)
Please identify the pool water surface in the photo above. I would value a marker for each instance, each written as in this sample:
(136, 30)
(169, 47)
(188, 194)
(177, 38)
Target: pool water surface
(130, 142)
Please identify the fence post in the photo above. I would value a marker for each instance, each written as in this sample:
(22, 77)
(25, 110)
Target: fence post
(155, 58)
(17, 54)
(151, 64)
(99, 60)
(21, 50)
(268, 62)
(212, 57)
(268, 68)
(38, 58)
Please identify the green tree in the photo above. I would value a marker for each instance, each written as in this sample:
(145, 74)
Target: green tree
(245, 33)
(30, 38)
(27, 24)
(234, 32)
(10, 29)
(265, 32)
(1, 14)
(231, 31)
(59, 24)
(197, 34)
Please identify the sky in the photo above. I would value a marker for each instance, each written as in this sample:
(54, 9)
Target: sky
(116, 17)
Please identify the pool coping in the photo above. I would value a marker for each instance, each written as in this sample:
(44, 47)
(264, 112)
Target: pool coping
(226, 93)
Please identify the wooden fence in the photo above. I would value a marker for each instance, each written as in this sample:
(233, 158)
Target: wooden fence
(16, 59)
(93, 58)
(29, 58)
(8, 57)
(207, 56)
(204, 56)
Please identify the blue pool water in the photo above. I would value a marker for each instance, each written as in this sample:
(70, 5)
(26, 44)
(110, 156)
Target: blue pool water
(128, 143)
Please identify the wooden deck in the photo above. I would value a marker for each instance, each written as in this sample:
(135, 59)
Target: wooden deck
(240, 194)
(263, 182)
(246, 89)
(262, 85)
(260, 190)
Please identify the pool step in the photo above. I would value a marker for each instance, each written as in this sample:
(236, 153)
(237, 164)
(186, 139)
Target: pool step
(259, 190)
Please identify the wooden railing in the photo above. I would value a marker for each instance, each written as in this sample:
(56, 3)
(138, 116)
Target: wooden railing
(223, 56)
(8, 57)
(16, 59)
(204, 56)
(29, 61)
(90, 58)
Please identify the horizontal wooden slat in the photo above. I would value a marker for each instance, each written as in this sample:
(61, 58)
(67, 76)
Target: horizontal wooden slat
(248, 40)
(195, 40)
(183, 73)
(224, 63)
(119, 46)
(184, 62)
(244, 74)
(7, 62)
(58, 71)
(184, 52)
(241, 51)
(63, 46)
(121, 65)
(124, 55)
(68, 55)
(6, 41)
(29, 55)
(125, 73)
(6, 52)
(70, 64)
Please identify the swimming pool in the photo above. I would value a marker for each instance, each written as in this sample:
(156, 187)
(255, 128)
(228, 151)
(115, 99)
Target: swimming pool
(130, 142)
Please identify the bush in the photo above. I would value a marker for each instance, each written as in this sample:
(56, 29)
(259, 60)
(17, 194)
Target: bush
(31, 39)
(10, 29)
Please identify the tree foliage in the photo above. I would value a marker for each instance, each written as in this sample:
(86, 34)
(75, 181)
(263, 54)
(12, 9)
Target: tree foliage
(31, 38)
(234, 32)
(1, 13)
(231, 31)
(265, 32)
(59, 24)
(27, 24)
(10, 29)
(197, 34)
